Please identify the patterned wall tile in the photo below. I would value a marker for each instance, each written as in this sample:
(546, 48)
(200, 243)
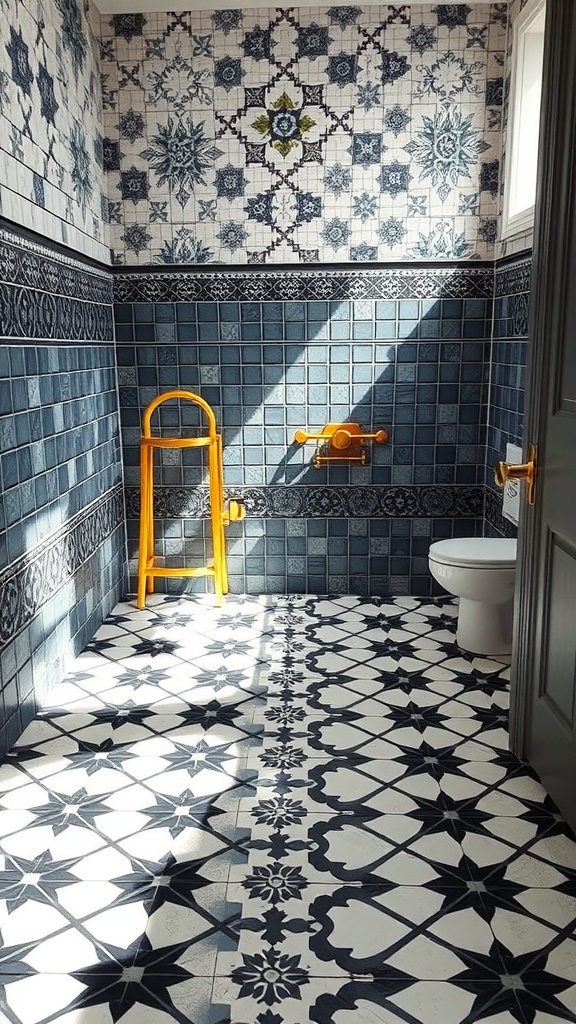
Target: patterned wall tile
(304, 136)
(51, 298)
(321, 555)
(193, 285)
(51, 138)
(62, 546)
(28, 582)
(91, 556)
(414, 365)
(508, 360)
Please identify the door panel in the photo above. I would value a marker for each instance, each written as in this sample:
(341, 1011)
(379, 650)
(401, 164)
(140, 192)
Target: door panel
(558, 682)
(543, 717)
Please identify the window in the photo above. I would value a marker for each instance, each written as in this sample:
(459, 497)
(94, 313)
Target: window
(523, 120)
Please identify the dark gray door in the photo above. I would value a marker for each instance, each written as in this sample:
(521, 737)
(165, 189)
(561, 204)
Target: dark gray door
(544, 668)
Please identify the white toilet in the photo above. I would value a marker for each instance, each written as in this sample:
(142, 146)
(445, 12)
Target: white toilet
(480, 571)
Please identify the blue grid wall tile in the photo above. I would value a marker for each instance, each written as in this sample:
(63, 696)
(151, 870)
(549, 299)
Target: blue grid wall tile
(509, 351)
(429, 394)
(62, 538)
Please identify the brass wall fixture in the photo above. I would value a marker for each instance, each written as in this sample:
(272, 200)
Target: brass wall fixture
(522, 471)
(340, 442)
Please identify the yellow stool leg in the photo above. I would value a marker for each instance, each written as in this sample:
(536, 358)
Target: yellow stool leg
(150, 517)
(221, 507)
(143, 533)
(216, 518)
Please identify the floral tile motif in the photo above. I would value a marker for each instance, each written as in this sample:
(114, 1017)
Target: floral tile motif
(52, 145)
(282, 136)
(287, 809)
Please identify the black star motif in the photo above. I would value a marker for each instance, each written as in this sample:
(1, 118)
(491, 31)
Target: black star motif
(60, 811)
(155, 647)
(236, 620)
(229, 647)
(534, 987)
(178, 621)
(168, 881)
(221, 677)
(117, 620)
(141, 677)
(487, 685)
(182, 811)
(38, 881)
(211, 714)
(128, 980)
(413, 714)
(93, 757)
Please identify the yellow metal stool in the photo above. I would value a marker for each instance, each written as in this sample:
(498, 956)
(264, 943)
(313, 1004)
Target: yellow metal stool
(147, 569)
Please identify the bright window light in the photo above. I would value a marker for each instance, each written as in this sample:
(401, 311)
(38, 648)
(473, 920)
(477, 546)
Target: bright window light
(524, 121)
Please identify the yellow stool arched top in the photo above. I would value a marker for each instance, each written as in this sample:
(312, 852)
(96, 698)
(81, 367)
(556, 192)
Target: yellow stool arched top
(178, 442)
(148, 566)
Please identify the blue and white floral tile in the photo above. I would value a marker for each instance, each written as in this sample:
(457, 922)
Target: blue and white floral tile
(314, 134)
(52, 178)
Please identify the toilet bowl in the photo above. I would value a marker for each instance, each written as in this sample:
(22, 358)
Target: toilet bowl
(480, 571)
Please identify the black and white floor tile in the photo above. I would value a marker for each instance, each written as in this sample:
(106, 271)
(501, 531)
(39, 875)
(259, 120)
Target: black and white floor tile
(287, 810)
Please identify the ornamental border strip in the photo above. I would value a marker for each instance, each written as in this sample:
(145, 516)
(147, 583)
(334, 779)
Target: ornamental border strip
(319, 284)
(309, 502)
(32, 315)
(493, 514)
(29, 582)
(31, 265)
(513, 278)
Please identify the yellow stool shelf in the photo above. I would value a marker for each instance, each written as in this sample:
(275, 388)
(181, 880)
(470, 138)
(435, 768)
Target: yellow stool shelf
(148, 567)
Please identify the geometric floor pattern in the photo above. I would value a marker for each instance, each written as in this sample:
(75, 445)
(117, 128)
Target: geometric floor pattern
(287, 810)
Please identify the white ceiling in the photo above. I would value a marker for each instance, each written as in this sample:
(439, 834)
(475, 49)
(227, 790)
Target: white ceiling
(143, 6)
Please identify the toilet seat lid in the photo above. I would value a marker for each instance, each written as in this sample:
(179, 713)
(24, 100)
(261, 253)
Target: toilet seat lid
(488, 552)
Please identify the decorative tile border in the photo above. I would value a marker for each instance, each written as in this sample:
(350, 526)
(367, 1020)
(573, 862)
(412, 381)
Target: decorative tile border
(45, 295)
(31, 265)
(512, 278)
(319, 502)
(493, 514)
(30, 315)
(415, 282)
(27, 584)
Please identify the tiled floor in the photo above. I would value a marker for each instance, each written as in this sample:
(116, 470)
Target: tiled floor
(289, 810)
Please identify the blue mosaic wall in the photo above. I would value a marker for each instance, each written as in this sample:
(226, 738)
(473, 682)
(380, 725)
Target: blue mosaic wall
(51, 139)
(509, 353)
(304, 135)
(62, 546)
(415, 366)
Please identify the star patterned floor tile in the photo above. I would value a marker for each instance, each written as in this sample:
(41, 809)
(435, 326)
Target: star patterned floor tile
(286, 809)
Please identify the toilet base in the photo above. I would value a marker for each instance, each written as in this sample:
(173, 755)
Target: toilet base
(484, 628)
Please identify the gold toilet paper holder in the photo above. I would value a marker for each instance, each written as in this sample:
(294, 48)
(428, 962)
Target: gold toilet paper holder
(341, 442)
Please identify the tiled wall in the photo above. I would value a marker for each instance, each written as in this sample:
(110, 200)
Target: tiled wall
(414, 366)
(51, 149)
(407, 348)
(509, 353)
(62, 549)
(304, 135)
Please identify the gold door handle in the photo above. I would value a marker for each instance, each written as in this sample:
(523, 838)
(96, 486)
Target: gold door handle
(520, 471)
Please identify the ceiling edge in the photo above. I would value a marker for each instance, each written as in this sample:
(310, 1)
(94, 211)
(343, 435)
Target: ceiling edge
(163, 6)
